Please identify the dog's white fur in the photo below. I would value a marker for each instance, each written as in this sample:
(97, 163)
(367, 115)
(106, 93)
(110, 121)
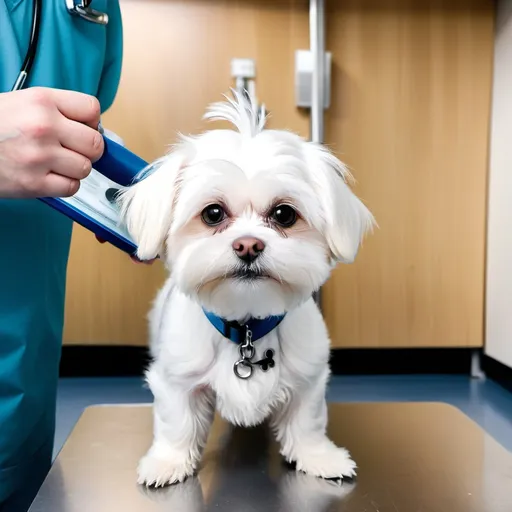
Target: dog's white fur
(248, 170)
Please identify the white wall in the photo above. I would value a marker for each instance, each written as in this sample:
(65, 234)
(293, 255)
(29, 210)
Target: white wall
(499, 243)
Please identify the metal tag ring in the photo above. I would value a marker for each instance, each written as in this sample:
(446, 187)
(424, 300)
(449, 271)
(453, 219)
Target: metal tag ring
(247, 364)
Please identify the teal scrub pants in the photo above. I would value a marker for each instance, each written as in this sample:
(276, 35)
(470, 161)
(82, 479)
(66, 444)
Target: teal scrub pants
(35, 240)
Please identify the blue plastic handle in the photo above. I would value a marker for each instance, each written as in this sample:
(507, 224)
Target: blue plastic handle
(119, 164)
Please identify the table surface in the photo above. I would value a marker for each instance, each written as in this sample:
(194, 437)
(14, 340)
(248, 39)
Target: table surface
(412, 457)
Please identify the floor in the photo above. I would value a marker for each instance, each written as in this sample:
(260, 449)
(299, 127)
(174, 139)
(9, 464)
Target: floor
(484, 401)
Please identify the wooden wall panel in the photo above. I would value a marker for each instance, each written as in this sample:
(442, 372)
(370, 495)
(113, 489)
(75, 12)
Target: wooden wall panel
(410, 116)
(176, 61)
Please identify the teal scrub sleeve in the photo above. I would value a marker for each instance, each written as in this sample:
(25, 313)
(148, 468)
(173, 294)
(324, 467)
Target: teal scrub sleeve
(111, 74)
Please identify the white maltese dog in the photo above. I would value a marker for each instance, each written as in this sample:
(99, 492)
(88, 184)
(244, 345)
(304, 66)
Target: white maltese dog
(249, 223)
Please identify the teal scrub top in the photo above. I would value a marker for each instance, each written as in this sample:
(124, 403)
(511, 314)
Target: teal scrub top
(77, 55)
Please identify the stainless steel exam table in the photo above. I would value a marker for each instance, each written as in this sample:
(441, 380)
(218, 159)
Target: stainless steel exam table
(412, 457)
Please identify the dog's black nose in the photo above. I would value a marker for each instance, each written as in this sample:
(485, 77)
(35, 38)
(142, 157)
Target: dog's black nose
(248, 249)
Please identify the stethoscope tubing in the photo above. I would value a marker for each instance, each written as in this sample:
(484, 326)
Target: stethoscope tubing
(32, 46)
(83, 10)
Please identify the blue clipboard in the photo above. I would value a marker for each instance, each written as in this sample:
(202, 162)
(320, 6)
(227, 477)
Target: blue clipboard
(119, 166)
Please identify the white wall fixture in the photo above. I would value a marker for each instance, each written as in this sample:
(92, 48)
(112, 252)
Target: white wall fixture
(304, 64)
(244, 73)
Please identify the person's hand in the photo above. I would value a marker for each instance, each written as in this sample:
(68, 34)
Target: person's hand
(133, 258)
(48, 142)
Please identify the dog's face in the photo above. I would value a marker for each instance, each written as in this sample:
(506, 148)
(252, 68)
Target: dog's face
(249, 222)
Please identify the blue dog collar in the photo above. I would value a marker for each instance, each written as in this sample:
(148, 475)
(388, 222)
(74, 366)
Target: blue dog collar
(237, 332)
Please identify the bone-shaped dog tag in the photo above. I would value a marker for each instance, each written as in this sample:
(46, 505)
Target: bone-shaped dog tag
(267, 362)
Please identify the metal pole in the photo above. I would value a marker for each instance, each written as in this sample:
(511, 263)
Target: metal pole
(317, 44)
(317, 47)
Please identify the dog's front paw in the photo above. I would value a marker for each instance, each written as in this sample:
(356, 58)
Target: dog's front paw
(325, 460)
(159, 471)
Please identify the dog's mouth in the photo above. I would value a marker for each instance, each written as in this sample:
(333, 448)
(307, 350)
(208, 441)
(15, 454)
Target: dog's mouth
(246, 274)
(249, 273)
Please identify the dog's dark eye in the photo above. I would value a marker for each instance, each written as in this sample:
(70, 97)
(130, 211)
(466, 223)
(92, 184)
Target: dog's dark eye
(213, 214)
(284, 215)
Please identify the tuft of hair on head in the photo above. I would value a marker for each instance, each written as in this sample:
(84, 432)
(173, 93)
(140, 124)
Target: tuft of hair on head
(241, 111)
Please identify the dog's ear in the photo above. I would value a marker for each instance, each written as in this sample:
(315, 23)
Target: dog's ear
(146, 207)
(347, 219)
